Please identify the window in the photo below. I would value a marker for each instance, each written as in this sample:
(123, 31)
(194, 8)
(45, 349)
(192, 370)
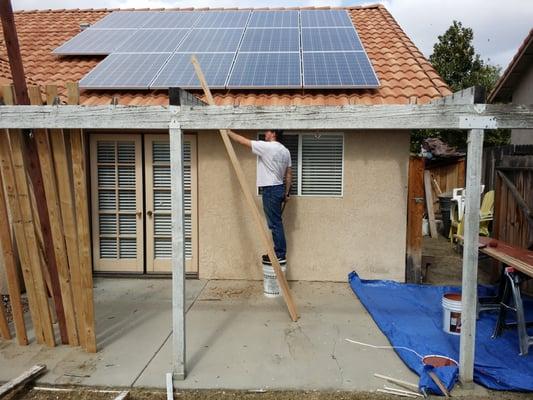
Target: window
(317, 163)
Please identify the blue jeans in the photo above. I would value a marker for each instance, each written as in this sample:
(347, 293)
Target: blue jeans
(273, 197)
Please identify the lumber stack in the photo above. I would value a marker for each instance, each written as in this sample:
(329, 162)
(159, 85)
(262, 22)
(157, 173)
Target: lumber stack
(43, 196)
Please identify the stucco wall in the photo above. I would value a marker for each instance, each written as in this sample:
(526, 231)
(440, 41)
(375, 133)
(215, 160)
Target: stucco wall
(327, 237)
(523, 95)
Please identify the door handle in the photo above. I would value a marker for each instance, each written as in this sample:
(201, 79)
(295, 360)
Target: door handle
(139, 214)
(149, 213)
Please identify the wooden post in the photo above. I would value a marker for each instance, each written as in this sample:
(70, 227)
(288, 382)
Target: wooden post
(266, 238)
(178, 256)
(4, 327)
(13, 283)
(429, 205)
(83, 224)
(60, 278)
(470, 256)
(415, 213)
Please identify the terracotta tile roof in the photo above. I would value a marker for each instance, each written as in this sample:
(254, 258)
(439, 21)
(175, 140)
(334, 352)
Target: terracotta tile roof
(405, 75)
(519, 65)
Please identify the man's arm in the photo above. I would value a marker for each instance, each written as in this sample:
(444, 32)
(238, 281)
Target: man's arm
(288, 181)
(240, 139)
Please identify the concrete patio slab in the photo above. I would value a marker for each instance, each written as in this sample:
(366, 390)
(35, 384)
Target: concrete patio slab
(133, 319)
(238, 339)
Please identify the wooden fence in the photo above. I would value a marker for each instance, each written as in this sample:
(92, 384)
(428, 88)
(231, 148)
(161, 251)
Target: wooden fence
(446, 175)
(54, 255)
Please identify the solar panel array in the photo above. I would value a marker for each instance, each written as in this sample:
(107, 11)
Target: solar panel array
(236, 49)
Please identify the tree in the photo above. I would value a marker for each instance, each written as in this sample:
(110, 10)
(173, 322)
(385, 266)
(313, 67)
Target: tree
(457, 62)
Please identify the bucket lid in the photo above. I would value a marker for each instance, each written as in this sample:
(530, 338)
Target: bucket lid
(439, 361)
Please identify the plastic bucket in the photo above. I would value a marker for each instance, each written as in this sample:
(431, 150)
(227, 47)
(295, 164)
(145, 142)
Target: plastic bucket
(451, 313)
(270, 283)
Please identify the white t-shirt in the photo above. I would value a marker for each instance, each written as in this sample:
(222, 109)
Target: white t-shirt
(274, 159)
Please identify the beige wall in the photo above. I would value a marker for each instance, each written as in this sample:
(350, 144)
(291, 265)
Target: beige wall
(523, 95)
(327, 237)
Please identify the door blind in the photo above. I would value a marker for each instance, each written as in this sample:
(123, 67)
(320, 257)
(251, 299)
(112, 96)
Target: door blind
(117, 203)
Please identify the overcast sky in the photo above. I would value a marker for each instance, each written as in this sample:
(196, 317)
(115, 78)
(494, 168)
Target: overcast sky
(499, 26)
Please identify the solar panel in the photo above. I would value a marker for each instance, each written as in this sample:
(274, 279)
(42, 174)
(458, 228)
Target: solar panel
(330, 39)
(95, 42)
(274, 70)
(172, 19)
(125, 19)
(325, 18)
(274, 19)
(125, 71)
(153, 41)
(179, 72)
(338, 69)
(223, 19)
(282, 39)
(211, 41)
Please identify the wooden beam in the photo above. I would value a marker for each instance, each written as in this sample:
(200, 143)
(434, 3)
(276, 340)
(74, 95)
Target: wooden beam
(471, 95)
(264, 235)
(13, 52)
(68, 215)
(178, 256)
(429, 205)
(83, 225)
(415, 213)
(470, 256)
(10, 264)
(22, 379)
(54, 242)
(352, 117)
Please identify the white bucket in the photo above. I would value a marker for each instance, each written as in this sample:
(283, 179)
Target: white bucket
(451, 313)
(270, 284)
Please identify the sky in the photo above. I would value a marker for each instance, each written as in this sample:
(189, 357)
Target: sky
(499, 26)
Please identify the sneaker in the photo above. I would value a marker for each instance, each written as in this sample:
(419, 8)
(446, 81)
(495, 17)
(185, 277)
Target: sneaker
(266, 259)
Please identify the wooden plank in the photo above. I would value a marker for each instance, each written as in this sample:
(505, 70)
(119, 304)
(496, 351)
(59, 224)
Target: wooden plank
(349, 117)
(170, 386)
(83, 225)
(4, 326)
(123, 395)
(24, 160)
(178, 256)
(60, 280)
(470, 256)
(20, 235)
(516, 195)
(429, 205)
(31, 238)
(22, 379)
(415, 214)
(513, 256)
(10, 264)
(266, 238)
(13, 52)
(68, 216)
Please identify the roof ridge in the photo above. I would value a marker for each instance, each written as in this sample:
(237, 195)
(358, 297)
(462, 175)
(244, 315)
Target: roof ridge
(77, 10)
(420, 59)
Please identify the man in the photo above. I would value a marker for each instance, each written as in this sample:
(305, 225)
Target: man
(274, 177)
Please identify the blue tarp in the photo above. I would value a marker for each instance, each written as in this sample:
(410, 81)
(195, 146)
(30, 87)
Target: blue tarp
(411, 316)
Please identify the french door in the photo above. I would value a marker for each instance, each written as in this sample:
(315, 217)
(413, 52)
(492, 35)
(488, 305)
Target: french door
(131, 203)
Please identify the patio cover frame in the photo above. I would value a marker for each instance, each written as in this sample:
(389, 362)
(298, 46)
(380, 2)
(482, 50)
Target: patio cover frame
(456, 111)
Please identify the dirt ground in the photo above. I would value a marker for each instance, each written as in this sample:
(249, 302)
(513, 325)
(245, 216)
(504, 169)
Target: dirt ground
(444, 268)
(80, 394)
